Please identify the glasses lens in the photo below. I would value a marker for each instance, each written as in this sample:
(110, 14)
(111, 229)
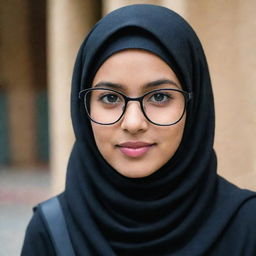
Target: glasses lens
(104, 106)
(164, 107)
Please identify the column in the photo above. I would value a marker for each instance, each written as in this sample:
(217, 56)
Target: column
(68, 23)
(17, 82)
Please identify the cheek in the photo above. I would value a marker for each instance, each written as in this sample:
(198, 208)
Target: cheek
(171, 138)
(102, 136)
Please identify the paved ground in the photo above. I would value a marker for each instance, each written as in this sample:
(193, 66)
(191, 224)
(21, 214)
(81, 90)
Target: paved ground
(20, 190)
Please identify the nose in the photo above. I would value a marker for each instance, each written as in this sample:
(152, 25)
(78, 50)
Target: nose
(134, 120)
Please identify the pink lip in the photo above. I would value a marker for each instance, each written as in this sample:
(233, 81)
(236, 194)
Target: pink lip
(135, 149)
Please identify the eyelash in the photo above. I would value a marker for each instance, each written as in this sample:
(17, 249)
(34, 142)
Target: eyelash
(101, 98)
(168, 96)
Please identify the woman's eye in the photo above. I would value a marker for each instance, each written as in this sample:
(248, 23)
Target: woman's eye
(159, 97)
(110, 98)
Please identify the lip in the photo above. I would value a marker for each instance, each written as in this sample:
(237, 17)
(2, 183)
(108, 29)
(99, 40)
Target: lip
(135, 148)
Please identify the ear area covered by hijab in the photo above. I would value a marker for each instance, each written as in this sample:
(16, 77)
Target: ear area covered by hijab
(175, 211)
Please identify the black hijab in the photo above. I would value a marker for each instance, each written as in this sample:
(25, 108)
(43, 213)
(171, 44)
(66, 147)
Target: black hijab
(184, 207)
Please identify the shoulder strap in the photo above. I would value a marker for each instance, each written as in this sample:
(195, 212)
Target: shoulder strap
(53, 217)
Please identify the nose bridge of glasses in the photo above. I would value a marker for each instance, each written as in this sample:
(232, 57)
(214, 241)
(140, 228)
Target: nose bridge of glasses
(139, 99)
(130, 106)
(128, 99)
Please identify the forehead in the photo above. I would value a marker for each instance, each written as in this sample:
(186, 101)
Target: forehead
(132, 69)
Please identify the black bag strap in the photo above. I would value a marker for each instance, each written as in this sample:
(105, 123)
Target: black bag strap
(55, 222)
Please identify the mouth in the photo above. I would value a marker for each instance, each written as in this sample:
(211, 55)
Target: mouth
(135, 149)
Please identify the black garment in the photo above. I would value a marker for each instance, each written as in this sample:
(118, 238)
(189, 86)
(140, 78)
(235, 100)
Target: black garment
(241, 228)
(182, 209)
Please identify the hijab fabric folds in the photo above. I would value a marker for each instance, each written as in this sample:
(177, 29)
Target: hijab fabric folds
(182, 209)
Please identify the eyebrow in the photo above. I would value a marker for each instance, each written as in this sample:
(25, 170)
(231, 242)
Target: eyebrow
(108, 84)
(145, 86)
(160, 82)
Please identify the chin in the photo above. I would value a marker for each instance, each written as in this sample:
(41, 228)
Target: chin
(135, 173)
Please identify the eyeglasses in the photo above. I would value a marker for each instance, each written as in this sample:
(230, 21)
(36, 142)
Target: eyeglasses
(163, 107)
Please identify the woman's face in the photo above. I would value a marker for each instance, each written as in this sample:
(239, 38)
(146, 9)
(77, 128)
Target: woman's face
(133, 146)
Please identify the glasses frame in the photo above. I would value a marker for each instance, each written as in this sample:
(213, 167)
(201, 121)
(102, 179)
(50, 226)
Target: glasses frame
(83, 93)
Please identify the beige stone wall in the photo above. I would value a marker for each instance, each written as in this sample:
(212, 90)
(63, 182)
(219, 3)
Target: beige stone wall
(110, 5)
(228, 32)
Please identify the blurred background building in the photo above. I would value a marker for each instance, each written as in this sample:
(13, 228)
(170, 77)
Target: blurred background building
(38, 44)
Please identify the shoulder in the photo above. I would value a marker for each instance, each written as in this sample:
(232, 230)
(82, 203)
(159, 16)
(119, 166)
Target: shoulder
(243, 200)
(242, 206)
(237, 211)
(37, 240)
(247, 213)
(245, 221)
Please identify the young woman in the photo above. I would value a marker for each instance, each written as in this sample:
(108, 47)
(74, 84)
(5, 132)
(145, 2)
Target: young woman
(142, 176)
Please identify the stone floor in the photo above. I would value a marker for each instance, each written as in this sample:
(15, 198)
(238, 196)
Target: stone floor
(20, 190)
